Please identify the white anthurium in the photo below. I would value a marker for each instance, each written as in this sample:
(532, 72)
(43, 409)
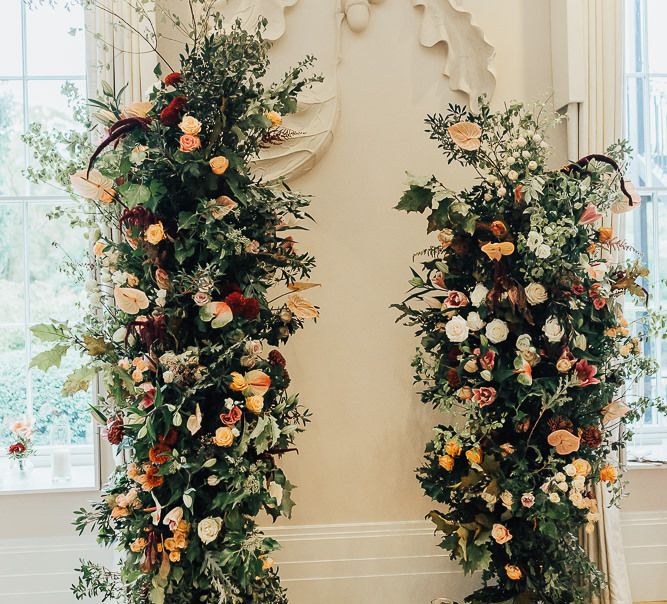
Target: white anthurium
(194, 421)
(138, 109)
(130, 300)
(218, 313)
(92, 185)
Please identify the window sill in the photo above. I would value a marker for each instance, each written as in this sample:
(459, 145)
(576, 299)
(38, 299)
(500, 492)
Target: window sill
(39, 481)
(646, 465)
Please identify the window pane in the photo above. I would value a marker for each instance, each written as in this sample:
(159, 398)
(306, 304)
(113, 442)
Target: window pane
(64, 53)
(658, 109)
(12, 152)
(656, 17)
(633, 38)
(636, 133)
(12, 283)
(54, 292)
(13, 379)
(10, 40)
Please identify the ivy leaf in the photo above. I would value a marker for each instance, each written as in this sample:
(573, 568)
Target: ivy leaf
(415, 199)
(135, 195)
(50, 358)
(266, 433)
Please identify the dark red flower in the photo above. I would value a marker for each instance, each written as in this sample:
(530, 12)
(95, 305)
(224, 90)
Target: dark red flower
(234, 415)
(170, 438)
(170, 114)
(114, 431)
(139, 217)
(159, 453)
(172, 79)
(453, 354)
(276, 358)
(250, 309)
(16, 449)
(236, 301)
(453, 378)
(591, 436)
(578, 289)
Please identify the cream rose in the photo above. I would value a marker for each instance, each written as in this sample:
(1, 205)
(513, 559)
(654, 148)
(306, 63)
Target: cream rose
(219, 164)
(523, 342)
(497, 331)
(154, 233)
(209, 529)
(553, 330)
(536, 294)
(445, 237)
(501, 533)
(254, 404)
(224, 437)
(475, 322)
(478, 294)
(190, 125)
(457, 329)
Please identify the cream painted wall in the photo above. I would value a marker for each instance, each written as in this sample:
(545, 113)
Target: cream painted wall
(356, 462)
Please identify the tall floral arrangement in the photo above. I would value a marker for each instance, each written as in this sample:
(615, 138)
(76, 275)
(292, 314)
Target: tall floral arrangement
(199, 280)
(519, 307)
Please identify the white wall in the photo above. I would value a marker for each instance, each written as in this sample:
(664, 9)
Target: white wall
(358, 533)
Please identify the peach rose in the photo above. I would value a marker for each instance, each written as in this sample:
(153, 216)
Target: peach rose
(219, 164)
(501, 533)
(453, 448)
(582, 467)
(138, 545)
(564, 441)
(189, 143)
(254, 404)
(154, 233)
(224, 437)
(98, 248)
(513, 572)
(446, 462)
(274, 117)
(190, 125)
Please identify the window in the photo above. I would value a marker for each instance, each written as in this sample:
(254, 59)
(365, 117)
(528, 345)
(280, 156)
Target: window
(645, 228)
(41, 49)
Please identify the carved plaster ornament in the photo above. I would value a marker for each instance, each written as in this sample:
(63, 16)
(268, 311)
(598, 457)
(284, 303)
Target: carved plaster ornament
(358, 13)
(469, 55)
(249, 11)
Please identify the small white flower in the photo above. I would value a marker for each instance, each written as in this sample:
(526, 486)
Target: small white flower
(235, 432)
(521, 142)
(524, 343)
(209, 528)
(553, 330)
(559, 477)
(502, 192)
(543, 251)
(532, 165)
(168, 377)
(229, 403)
(533, 240)
(562, 486)
(497, 331)
(554, 497)
(512, 175)
(570, 470)
(478, 295)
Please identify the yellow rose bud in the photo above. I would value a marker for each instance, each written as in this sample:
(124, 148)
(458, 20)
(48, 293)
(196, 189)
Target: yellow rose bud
(254, 404)
(154, 233)
(605, 234)
(224, 437)
(219, 164)
(446, 462)
(132, 280)
(453, 448)
(275, 117)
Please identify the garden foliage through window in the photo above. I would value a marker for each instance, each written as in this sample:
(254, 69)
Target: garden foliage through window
(41, 50)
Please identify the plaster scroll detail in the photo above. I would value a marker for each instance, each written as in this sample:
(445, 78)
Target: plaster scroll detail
(469, 56)
(249, 11)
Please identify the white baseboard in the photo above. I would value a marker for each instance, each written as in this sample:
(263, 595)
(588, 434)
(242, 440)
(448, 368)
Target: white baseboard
(367, 563)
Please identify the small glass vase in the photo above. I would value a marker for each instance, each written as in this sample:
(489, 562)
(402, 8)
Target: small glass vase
(61, 449)
(22, 468)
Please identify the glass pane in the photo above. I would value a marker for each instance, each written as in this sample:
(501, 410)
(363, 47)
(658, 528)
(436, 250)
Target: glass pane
(12, 282)
(12, 152)
(65, 53)
(55, 291)
(47, 400)
(656, 17)
(658, 142)
(633, 36)
(635, 131)
(13, 380)
(639, 233)
(10, 41)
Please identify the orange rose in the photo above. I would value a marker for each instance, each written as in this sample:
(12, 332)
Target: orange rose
(274, 117)
(605, 234)
(174, 556)
(189, 143)
(446, 462)
(219, 164)
(501, 533)
(98, 248)
(453, 448)
(138, 545)
(609, 474)
(513, 572)
(224, 437)
(154, 233)
(254, 404)
(564, 441)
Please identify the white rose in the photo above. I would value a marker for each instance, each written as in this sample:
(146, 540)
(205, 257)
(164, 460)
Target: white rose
(475, 322)
(523, 342)
(457, 329)
(507, 499)
(536, 293)
(570, 470)
(209, 528)
(559, 477)
(577, 500)
(562, 486)
(533, 240)
(553, 330)
(554, 497)
(497, 331)
(478, 295)
(543, 251)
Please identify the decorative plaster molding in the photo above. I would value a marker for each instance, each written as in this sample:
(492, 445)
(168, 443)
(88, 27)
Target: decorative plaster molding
(249, 11)
(358, 13)
(469, 57)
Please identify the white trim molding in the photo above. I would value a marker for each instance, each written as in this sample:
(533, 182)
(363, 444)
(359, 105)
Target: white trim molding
(359, 563)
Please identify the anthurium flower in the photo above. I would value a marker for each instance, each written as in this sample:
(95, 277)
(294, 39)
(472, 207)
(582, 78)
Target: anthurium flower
(301, 307)
(622, 204)
(92, 185)
(590, 215)
(564, 441)
(218, 313)
(138, 109)
(194, 421)
(614, 410)
(258, 383)
(465, 135)
(130, 300)
(495, 251)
